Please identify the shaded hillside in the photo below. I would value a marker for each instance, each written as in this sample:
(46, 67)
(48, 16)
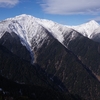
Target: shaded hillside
(20, 70)
(10, 90)
(60, 62)
(38, 86)
(64, 60)
(12, 42)
(88, 52)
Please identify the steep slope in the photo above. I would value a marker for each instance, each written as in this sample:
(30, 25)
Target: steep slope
(86, 29)
(69, 59)
(57, 62)
(62, 63)
(88, 52)
(96, 35)
(28, 27)
(12, 42)
(38, 85)
(21, 71)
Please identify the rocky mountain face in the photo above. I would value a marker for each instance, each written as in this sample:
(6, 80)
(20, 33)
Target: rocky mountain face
(67, 66)
(46, 54)
(19, 80)
(15, 45)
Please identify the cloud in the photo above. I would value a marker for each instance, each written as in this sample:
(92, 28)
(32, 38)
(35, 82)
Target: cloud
(8, 3)
(65, 7)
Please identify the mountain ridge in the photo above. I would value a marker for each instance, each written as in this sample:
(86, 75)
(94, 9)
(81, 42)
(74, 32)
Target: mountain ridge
(66, 55)
(85, 29)
(33, 31)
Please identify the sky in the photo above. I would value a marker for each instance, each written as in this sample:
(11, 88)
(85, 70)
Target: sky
(67, 12)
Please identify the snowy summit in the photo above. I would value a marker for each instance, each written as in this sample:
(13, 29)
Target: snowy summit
(29, 28)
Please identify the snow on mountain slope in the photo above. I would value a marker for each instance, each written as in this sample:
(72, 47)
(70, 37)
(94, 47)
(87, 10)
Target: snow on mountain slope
(27, 27)
(24, 26)
(96, 35)
(97, 30)
(86, 29)
(31, 29)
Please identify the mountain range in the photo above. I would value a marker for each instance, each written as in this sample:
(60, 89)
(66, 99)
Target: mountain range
(59, 58)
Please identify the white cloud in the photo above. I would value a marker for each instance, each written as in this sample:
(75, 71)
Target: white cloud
(71, 6)
(8, 3)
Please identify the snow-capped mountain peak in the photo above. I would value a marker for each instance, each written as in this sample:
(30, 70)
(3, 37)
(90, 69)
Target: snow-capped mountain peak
(93, 22)
(87, 29)
(26, 26)
(28, 20)
(31, 29)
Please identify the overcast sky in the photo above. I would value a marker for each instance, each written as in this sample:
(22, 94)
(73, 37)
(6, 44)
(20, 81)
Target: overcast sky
(70, 12)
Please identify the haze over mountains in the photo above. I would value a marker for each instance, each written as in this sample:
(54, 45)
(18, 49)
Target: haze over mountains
(42, 53)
